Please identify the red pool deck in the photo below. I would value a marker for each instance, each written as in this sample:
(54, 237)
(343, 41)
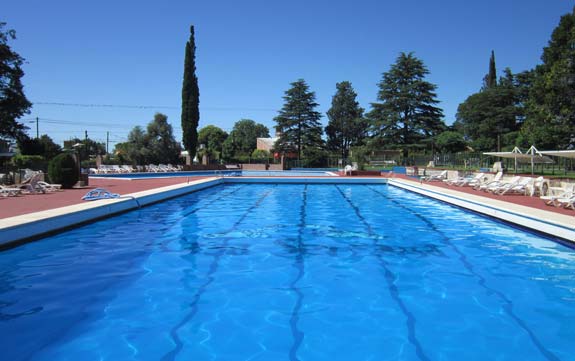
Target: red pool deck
(15, 206)
(533, 202)
(29, 203)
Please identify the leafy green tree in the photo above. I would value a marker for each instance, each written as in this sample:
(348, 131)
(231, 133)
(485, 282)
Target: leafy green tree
(213, 139)
(550, 121)
(13, 102)
(160, 141)
(242, 140)
(43, 146)
(260, 154)
(406, 112)
(89, 149)
(190, 98)
(486, 116)
(450, 142)
(135, 150)
(298, 122)
(346, 126)
(50, 149)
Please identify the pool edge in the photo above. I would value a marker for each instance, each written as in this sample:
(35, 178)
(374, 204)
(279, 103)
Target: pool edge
(539, 221)
(20, 229)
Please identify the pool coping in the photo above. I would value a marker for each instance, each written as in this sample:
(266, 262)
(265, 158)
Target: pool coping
(19, 229)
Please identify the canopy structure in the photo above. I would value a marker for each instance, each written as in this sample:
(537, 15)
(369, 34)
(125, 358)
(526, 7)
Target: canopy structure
(559, 153)
(532, 156)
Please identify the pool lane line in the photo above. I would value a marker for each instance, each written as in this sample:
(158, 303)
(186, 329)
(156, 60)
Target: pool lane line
(297, 334)
(220, 196)
(390, 278)
(507, 304)
(178, 345)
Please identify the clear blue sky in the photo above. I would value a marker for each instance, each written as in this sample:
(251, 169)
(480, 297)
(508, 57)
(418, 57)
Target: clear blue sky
(248, 52)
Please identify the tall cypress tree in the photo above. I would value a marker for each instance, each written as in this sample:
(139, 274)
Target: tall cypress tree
(190, 99)
(490, 79)
(298, 122)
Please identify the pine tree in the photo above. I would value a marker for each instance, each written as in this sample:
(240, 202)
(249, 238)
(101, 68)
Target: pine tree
(490, 80)
(190, 99)
(13, 102)
(346, 126)
(406, 113)
(298, 122)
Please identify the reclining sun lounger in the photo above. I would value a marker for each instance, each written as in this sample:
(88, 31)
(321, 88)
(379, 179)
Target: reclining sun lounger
(565, 202)
(520, 186)
(469, 180)
(50, 187)
(32, 185)
(565, 193)
(436, 177)
(484, 185)
(9, 191)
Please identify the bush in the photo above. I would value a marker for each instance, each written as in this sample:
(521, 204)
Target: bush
(35, 162)
(260, 154)
(63, 170)
(315, 158)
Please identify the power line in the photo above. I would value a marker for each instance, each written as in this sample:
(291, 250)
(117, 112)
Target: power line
(95, 123)
(123, 106)
(82, 105)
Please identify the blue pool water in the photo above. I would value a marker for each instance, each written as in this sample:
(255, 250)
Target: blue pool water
(290, 272)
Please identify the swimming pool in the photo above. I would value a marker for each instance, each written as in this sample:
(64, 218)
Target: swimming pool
(224, 173)
(298, 272)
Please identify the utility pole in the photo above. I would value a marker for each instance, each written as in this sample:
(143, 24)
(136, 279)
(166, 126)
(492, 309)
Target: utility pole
(37, 129)
(107, 141)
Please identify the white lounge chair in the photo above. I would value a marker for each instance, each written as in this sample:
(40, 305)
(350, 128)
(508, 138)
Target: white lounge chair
(348, 169)
(565, 202)
(465, 181)
(9, 191)
(502, 184)
(539, 186)
(50, 187)
(484, 185)
(32, 186)
(436, 177)
(520, 186)
(127, 168)
(564, 193)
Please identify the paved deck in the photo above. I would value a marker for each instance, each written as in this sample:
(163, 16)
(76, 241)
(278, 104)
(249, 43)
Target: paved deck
(533, 202)
(16, 206)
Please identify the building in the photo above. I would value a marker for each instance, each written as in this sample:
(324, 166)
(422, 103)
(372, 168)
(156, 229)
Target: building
(266, 144)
